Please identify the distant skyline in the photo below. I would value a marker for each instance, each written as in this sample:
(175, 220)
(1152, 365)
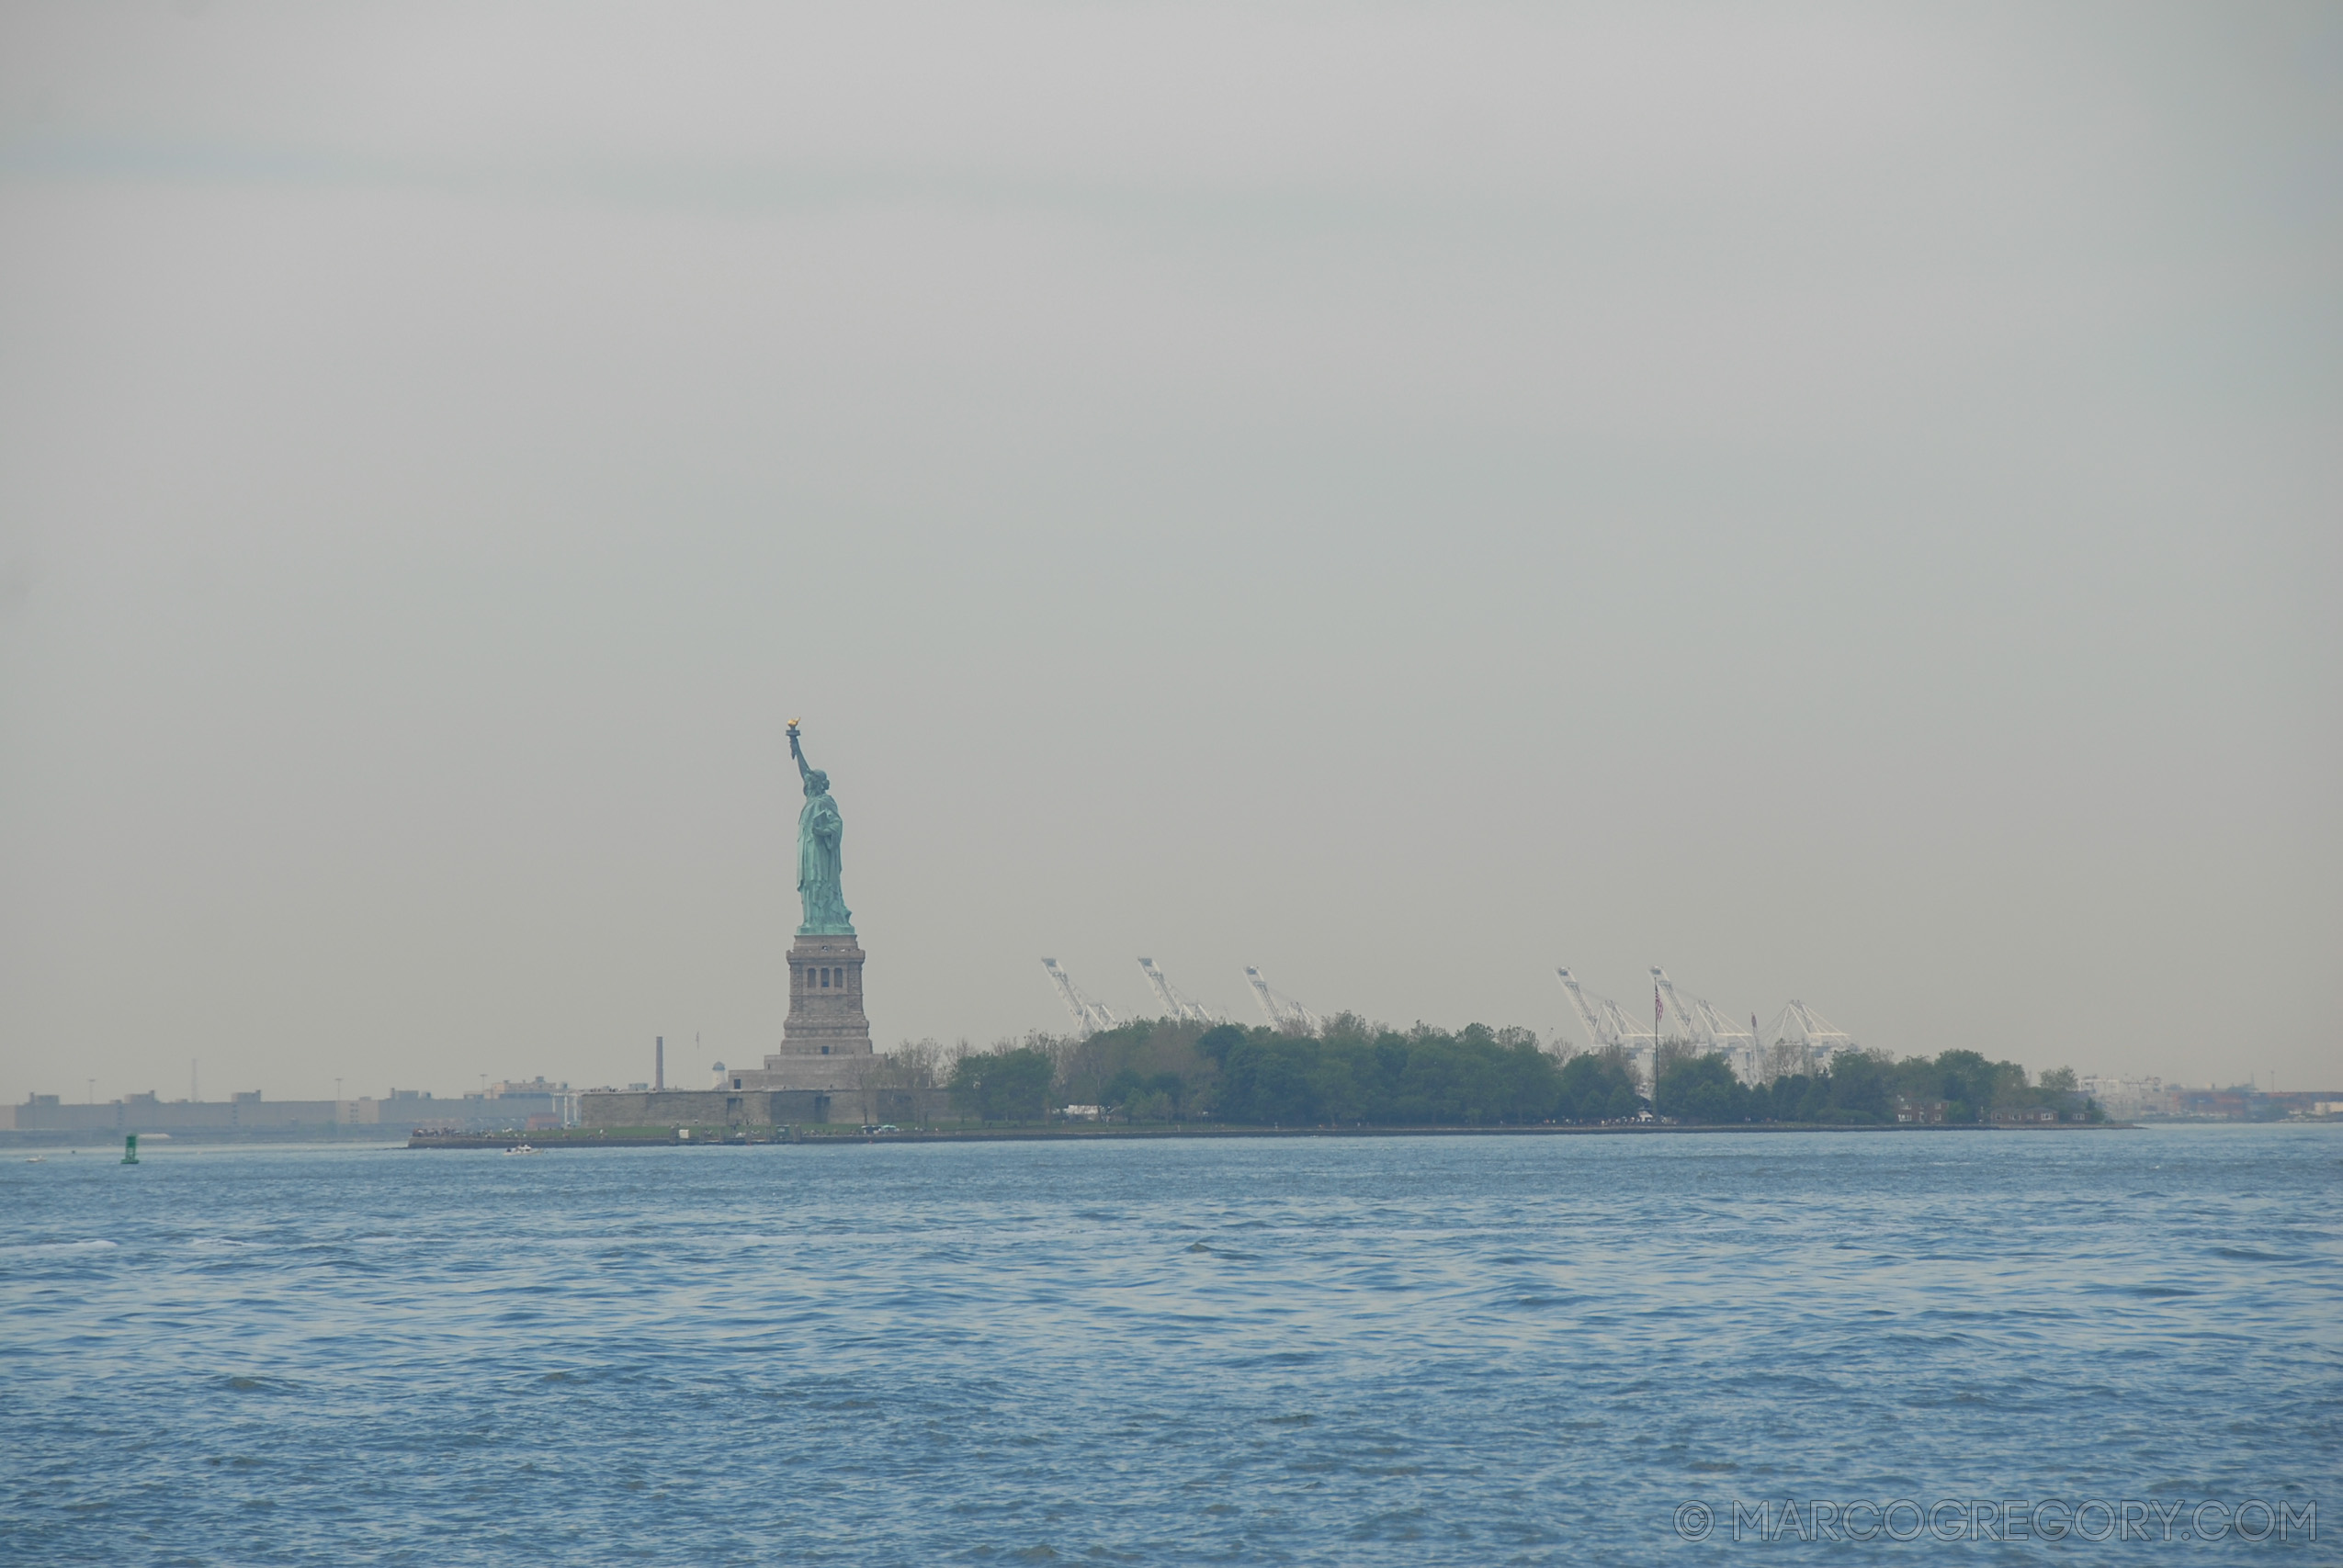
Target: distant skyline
(1839, 502)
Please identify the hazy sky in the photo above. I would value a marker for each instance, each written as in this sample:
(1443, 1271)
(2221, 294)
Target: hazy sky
(1838, 501)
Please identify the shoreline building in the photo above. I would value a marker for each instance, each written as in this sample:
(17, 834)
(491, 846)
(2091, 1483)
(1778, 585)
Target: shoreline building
(512, 1105)
(2130, 1098)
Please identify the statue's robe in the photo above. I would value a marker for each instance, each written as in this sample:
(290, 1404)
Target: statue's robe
(818, 830)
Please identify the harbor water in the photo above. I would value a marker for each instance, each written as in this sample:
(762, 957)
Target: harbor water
(1345, 1351)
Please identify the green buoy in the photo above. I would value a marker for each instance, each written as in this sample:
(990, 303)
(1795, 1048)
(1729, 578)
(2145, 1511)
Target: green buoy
(129, 1148)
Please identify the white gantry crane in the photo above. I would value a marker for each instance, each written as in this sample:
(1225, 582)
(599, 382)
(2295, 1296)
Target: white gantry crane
(1284, 1011)
(1799, 1026)
(1175, 1004)
(1090, 1014)
(1607, 1026)
(1710, 1028)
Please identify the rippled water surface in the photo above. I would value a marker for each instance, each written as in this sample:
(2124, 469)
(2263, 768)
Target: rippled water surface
(1403, 1350)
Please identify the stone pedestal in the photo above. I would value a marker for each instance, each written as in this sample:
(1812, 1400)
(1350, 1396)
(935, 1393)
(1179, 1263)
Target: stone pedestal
(826, 999)
(825, 1045)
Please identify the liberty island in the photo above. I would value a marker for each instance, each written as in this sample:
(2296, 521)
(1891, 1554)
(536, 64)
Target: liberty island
(1340, 1073)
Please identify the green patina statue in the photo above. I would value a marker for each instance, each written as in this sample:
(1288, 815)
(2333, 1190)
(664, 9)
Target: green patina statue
(818, 830)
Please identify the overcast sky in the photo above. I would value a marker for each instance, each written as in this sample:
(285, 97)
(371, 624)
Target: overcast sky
(1841, 502)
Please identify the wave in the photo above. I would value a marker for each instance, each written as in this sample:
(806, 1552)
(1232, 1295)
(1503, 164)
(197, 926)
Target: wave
(56, 1248)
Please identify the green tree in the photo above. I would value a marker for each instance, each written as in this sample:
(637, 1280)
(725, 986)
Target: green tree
(1357, 1073)
(1266, 1079)
(1007, 1084)
(1125, 1087)
(1702, 1090)
(1596, 1089)
(1859, 1090)
(1667, 1054)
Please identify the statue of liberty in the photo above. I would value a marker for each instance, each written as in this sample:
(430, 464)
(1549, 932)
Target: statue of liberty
(818, 829)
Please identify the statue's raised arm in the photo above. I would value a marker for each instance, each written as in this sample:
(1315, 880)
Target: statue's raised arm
(797, 751)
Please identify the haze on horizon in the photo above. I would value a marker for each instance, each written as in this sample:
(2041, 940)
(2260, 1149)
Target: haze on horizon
(1839, 502)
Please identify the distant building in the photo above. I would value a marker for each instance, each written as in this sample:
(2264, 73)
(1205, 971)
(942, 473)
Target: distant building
(536, 1101)
(148, 1112)
(2129, 1098)
(2245, 1103)
(534, 1104)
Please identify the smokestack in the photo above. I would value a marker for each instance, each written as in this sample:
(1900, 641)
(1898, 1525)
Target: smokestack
(659, 1063)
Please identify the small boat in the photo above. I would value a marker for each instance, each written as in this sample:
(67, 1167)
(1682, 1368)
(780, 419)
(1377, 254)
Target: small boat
(36, 1159)
(520, 1149)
